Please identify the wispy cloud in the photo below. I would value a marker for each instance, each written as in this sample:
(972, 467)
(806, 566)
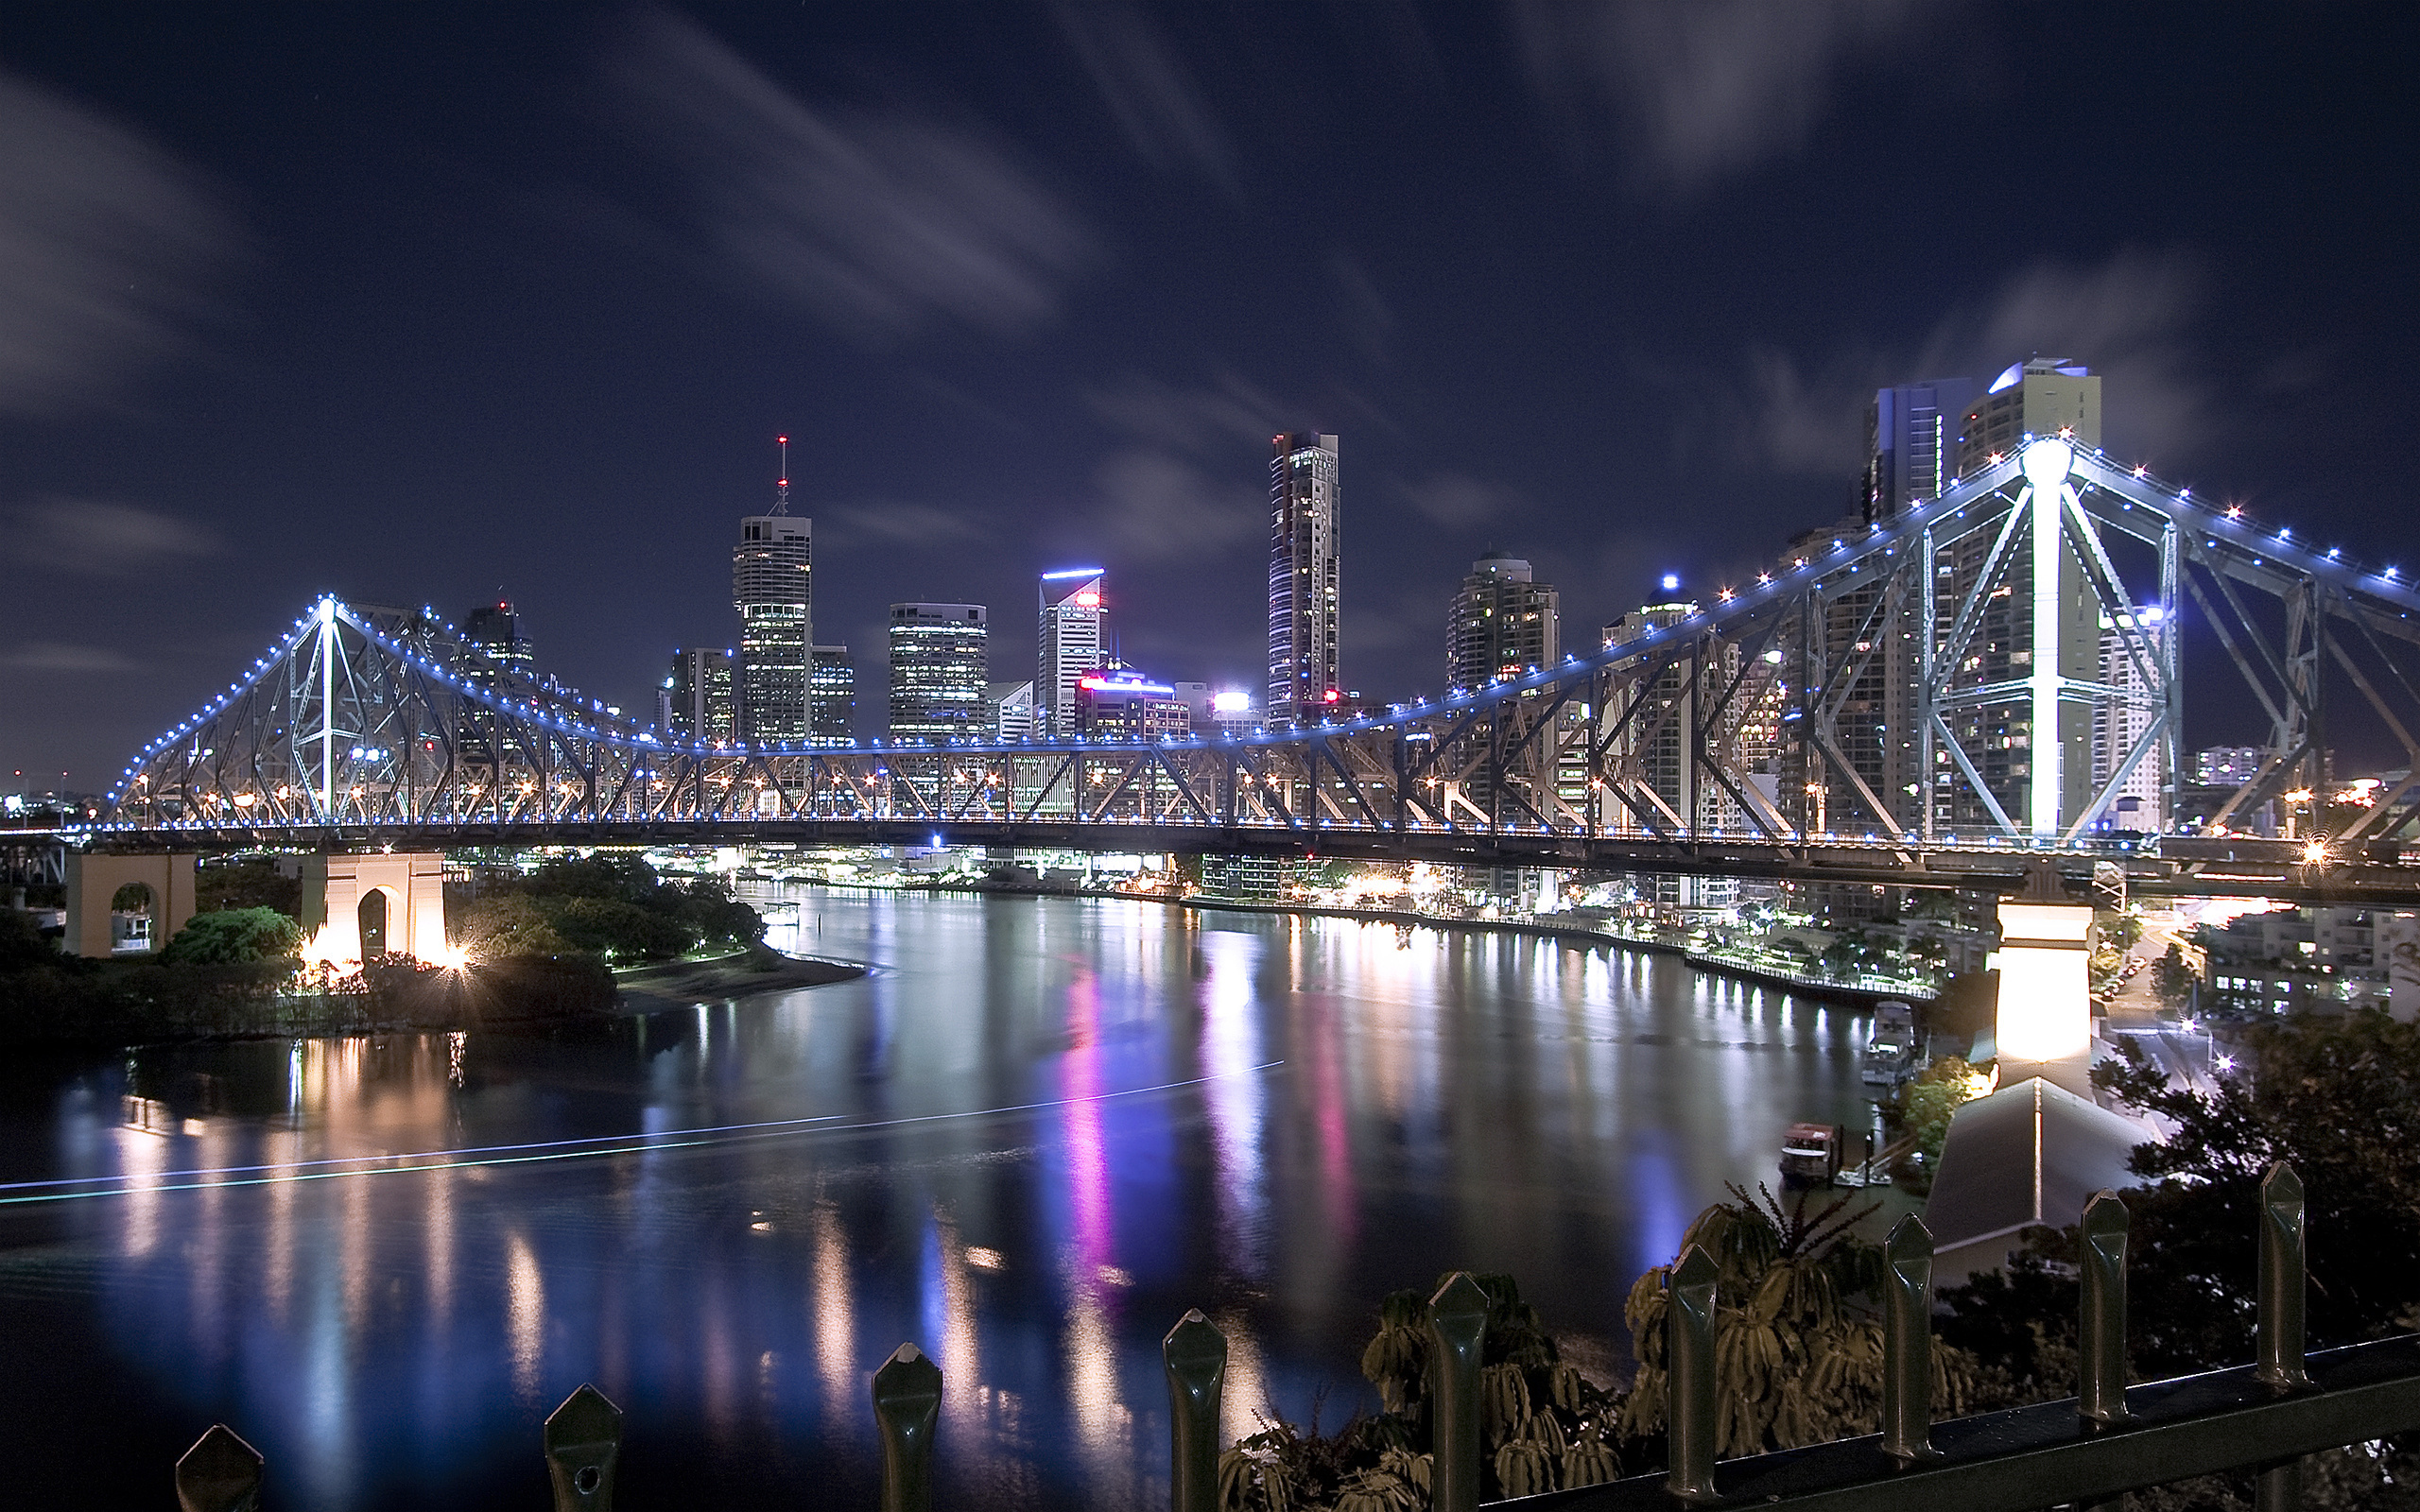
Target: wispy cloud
(1213, 419)
(1699, 88)
(1456, 498)
(882, 223)
(1157, 506)
(103, 540)
(55, 656)
(1368, 320)
(897, 522)
(2126, 317)
(1184, 482)
(107, 245)
(1149, 92)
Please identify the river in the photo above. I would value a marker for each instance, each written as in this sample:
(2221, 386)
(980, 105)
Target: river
(1028, 1139)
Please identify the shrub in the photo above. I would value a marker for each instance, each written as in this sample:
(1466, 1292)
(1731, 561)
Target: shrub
(231, 936)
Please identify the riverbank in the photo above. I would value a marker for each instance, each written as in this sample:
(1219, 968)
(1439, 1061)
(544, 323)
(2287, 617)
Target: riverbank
(1861, 994)
(72, 1004)
(742, 973)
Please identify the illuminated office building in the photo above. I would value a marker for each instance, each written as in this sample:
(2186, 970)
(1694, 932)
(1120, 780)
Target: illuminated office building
(939, 654)
(700, 695)
(831, 696)
(1912, 442)
(772, 587)
(1304, 681)
(1071, 642)
(1009, 706)
(1122, 703)
(494, 631)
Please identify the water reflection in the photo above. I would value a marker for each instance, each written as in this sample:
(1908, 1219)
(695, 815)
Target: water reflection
(1028, 1141)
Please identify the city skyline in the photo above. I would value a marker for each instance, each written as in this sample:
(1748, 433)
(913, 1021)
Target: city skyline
(518, 322)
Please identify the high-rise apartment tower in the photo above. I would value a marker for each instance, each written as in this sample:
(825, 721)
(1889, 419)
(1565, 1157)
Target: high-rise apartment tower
(1304, 681)
(1503, 620)
(1912, 442)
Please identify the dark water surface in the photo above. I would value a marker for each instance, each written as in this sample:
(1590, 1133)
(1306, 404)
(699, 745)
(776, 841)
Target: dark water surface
(1038, 1133)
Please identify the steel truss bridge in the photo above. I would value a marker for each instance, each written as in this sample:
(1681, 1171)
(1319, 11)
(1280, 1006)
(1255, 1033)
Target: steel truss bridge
(1862, 713)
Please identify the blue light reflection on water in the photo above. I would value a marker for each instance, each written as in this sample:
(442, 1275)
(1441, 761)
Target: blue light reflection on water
(394, 1339)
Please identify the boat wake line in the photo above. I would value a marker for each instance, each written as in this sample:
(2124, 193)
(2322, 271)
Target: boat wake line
(69, 1189)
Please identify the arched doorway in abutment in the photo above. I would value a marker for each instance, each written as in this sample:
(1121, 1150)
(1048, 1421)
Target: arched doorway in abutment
(156, 889)
(371, 918)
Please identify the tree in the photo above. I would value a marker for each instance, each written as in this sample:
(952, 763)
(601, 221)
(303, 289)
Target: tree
(505, 924)
(2171, 979)
(2339, 1100)
(1543, 1427)
(22, 943)
(229, 936)
(249, 884)
(616, 929)
(1927, 1104)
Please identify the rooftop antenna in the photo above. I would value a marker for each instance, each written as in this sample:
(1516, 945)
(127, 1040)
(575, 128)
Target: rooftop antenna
(782, 489)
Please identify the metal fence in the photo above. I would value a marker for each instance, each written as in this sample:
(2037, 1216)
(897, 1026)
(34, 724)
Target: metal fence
(2086, 1450)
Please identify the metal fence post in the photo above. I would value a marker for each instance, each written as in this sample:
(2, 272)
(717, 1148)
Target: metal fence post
(2102, 1396)
(2283, 1281)
(1195, 1356)
(1907, 1341)
(220, 1474)
(908, 1408)
(1457, 1330)
(1689, 1390)
(584, 1446)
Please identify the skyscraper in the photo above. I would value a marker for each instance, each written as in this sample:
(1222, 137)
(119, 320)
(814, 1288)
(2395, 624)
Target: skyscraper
(772, 587)
(1009, 707)
(701, 695)
(1650, 756)
(2120, 723)
(1912, 440)
(1071, 645)
(1502, 621)
(1304, 681)
(939, 658)
(2040, 396)
(831, 696)
(494, 631)
(2044, 397)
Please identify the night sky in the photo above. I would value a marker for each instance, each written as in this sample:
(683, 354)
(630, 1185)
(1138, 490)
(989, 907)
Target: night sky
(424, 304)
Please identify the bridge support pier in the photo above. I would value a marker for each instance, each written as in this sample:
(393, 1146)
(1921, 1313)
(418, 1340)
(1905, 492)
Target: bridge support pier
(400, 896)
(93, 880)
(2045, 1023)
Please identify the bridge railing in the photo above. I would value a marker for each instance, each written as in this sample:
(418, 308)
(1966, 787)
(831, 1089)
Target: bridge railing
(2087, 1449)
